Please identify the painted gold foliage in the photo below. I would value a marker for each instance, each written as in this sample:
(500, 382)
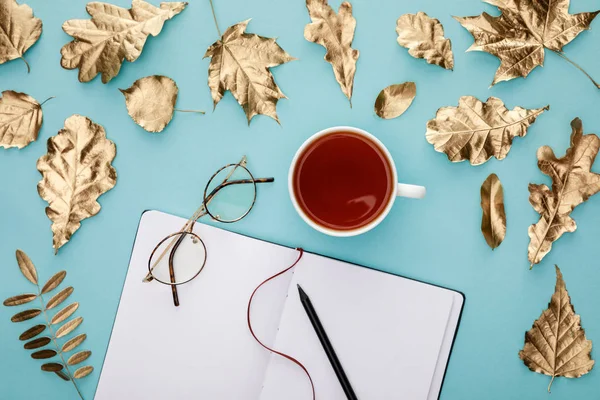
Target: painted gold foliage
(240, 62)
(335, 32)
(477, 131)
(75, 172)
(572, 184)
(19, 30)
(423, 36)
(520, 34)
(55, 326)
(493, 221)
(394, 100)
(20, 119)
(113, 34)
(556, 344)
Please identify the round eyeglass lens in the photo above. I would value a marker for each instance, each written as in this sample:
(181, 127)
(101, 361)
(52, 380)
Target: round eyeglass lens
(230, 194)
(187, 256)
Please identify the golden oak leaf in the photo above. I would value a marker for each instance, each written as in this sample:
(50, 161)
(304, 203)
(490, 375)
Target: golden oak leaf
(394, 100)
(20, 119)
(151, 102)
(556, 344)
(493, 221)
(519, 35)
(423, 36)
(112, 35)
(75, 172)
(477, 131)
(335, 32)
(240, 63)
(572, 184)
(19, 30)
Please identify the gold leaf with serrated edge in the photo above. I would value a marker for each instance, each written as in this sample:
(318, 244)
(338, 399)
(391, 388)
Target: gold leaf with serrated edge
(59, 297)
(519, 35)
(572, 184)
(52, 367)
(37, 343)
(79, 357)
(556, 344)
(335, 32)
(75, 172)
(20, 119)
(240, 62)
(19, 30)
(64, 313)
(27, 267)
(20, 299)
(114, 34)
(477, 131)
(73, 343)
(394, 100)
(25, 315)
(43, 354)
(68, 327)
(423, 36)
(54, 281)
(83, 372)
(32, 332)
(493, 221)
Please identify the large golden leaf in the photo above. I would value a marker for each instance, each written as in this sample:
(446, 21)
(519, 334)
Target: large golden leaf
(335, 32)
(493, 221)
(20, 119)
(240, 63)
(556, 344)
(112, 35)
(572, 184)
(423, 36)
(519, 35)
(477, 131)
(19, 30)
(75, 172)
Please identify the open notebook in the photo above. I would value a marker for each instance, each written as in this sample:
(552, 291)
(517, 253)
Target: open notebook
(392, 335)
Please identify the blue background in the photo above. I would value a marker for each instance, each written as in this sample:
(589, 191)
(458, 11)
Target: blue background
(437, 239)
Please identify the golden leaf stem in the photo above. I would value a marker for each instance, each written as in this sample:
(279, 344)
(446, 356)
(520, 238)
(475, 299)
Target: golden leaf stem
(191, 111)
(212, 8)
(551, 381)
(26, 63)
(49, 98)
(561, 54)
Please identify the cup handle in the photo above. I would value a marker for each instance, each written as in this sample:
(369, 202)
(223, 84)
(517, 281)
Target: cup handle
(410, 191)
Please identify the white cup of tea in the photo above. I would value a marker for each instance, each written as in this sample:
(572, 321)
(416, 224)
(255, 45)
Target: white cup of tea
(343, 181)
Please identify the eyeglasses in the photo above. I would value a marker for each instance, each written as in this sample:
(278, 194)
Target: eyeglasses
(179, 257)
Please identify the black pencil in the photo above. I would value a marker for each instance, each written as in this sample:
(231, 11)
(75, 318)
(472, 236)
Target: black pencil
(335, 362)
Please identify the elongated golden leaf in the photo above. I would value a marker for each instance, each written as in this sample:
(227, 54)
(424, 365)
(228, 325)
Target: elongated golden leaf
(83, 372)
(20, 299)
(27, 267)
(37, 343)
(477, 131)
(493, 221)
(25, 315)
(423, 36)
(79, 357)
(114, 34)
(75, 172)
(52, 367)
(240, 62)
(20, 118)
(43, 354)
(556, 344)
(19, 30)
(519, 35)
(394, 100)
(572, 184)
(54, 281)
(335, 32)
(59, 297)
(61, 375)
(68, 327)
(73, 343)
(32, 332)
(64, 313)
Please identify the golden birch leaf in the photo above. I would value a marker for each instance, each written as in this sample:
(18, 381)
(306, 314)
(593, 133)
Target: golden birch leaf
(54, 281)
(20, 119)
(59, 297)
(83, 372)
(75, 172)
(477, 131)
(68, 327)
(394, 100)
(79, 357)
(64, 313)
(114, 34)
(32, 332)
(25, 315)
(556, 344)
(240, 62)
(493, 221)
(520, 34)
(73, 343)
(19, 30)
(335, 32)
(26, 266)
(20, 299)
(572, 184)
(423, 36)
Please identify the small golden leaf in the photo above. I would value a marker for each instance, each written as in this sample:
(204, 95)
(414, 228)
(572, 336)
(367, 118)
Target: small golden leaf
(19, 30)
(64, 313)
(37, 343)
(477, 131)
(27, 267)
(335, 32)
(52, 367)
(423, 36)
(20, 299)
(556, 344)
(572, 184)
(79, 357)
(394, 100)
(240, 62)
(54, 282)
(75, 172)
(59, 297)
(493, 221)
(32, 332)
(83, 372)
(43, 354)
(73, 343)
(25, 315)
(68, 327)
(114, 34)
(62, 375)
(20, 118)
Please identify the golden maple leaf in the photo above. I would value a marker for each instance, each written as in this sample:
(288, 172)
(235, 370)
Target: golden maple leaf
(112, 35)
(240, 63)
(556, 344)
(75, 172)
(520, 34)
(19, 30)
(20, 119)
(572, 184)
